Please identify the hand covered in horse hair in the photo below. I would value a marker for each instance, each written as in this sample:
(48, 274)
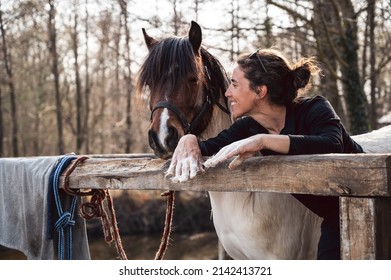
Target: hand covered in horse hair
(242, 149)
(186, 161)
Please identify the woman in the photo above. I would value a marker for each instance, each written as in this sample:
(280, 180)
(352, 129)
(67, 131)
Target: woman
(271, 118)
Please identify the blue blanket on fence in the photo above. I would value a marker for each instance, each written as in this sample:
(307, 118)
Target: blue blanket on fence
(24, 208)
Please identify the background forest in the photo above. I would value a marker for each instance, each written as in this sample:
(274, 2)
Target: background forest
(68, 70)
(68, 67)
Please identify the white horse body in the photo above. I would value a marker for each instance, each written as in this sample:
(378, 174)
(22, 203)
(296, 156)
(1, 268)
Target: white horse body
(376, 141)
(256, 225)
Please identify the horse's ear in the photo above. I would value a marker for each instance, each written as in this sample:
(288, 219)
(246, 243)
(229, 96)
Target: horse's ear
(195, 36)
(148, 40)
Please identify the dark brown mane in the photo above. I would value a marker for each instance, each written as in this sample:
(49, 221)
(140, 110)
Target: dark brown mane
(170, 60)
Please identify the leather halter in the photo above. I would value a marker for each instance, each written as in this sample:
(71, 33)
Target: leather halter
(188, 127)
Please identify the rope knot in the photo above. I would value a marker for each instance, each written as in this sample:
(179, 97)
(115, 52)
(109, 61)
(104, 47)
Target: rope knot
(64, 221)
(93, 208)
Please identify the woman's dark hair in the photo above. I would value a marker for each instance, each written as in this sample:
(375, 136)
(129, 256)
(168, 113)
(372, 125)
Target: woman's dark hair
(283, 79)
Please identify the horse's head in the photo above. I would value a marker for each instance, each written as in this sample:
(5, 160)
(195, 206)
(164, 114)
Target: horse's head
(176, 76)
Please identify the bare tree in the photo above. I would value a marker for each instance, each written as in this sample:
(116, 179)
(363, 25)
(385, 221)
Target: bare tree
(78, 101)
(176, 17)
(372, 47)
(1, 123)
(102, 62)
(87, 87)
(56, 76)
(233, 29)
(101, 78)
(322, 23)
(345, 50)
(10, 81)
(353, 90)
(128, 75)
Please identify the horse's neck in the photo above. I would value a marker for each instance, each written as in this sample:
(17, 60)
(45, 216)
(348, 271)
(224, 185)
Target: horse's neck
(219, 120)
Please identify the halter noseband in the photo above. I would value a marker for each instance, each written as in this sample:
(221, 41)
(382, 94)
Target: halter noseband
(189, 127)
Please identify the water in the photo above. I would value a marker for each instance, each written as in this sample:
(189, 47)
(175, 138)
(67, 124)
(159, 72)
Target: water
(201, 246)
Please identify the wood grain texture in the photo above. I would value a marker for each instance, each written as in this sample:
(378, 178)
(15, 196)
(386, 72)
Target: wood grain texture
(365, 228)
(359, 179)
(331, 174)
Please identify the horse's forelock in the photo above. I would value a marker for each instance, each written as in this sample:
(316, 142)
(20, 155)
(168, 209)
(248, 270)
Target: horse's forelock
(169, 62)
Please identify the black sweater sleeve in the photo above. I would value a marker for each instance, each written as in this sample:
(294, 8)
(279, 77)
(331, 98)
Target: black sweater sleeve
(318, 129)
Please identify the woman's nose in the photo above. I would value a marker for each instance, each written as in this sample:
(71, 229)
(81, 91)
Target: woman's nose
(228, 91)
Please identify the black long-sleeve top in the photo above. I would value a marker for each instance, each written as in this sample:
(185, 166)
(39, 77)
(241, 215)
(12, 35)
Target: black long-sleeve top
(311, 124)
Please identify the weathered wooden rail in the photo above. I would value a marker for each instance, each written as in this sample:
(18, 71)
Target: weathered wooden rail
(363, 183)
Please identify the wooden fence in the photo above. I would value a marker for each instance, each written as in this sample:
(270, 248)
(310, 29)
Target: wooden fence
(362, 181)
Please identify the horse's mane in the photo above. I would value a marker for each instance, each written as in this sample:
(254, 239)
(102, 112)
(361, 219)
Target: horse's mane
(220, 80)
(162, 63)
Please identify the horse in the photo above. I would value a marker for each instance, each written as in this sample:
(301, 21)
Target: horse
(185, 82)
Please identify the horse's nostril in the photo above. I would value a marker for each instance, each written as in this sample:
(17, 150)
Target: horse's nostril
(172, 132)
(152, 137)
(172, 138)
(160, 150)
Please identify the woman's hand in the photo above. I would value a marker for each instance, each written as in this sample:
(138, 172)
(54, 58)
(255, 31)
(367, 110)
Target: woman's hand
(186, 161)
(242, 149)
(246, 148)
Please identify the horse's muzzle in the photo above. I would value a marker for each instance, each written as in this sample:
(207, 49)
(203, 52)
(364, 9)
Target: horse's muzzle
(163, 146)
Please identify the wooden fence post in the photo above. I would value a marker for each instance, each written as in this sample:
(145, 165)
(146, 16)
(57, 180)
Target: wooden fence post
(365, 228)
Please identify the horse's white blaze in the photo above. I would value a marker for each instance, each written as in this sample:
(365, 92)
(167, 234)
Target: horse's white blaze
(163, 129)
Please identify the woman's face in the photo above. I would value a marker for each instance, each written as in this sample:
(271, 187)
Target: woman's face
(240, 95)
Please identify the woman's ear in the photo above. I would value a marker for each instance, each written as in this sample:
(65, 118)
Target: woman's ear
(262, 91)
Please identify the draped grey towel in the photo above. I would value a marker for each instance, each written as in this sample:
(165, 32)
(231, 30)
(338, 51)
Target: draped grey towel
(24, 209)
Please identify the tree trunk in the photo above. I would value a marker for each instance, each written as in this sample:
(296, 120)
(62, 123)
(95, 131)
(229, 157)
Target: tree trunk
(128, 77)
(234, 30)
(12, 94)
(322, 21)
(1, 123)
(353, 90)
(78, 100)
(346, 53)
(87, 88)
(372, 44)
(55, 72)
(176, 18)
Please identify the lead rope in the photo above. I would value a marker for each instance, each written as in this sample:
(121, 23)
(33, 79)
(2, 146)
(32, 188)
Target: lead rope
(64, 224)
(104, 208)
(167, 225)
(100, 205)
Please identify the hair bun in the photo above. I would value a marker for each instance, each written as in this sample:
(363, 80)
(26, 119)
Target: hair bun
(301, 76)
